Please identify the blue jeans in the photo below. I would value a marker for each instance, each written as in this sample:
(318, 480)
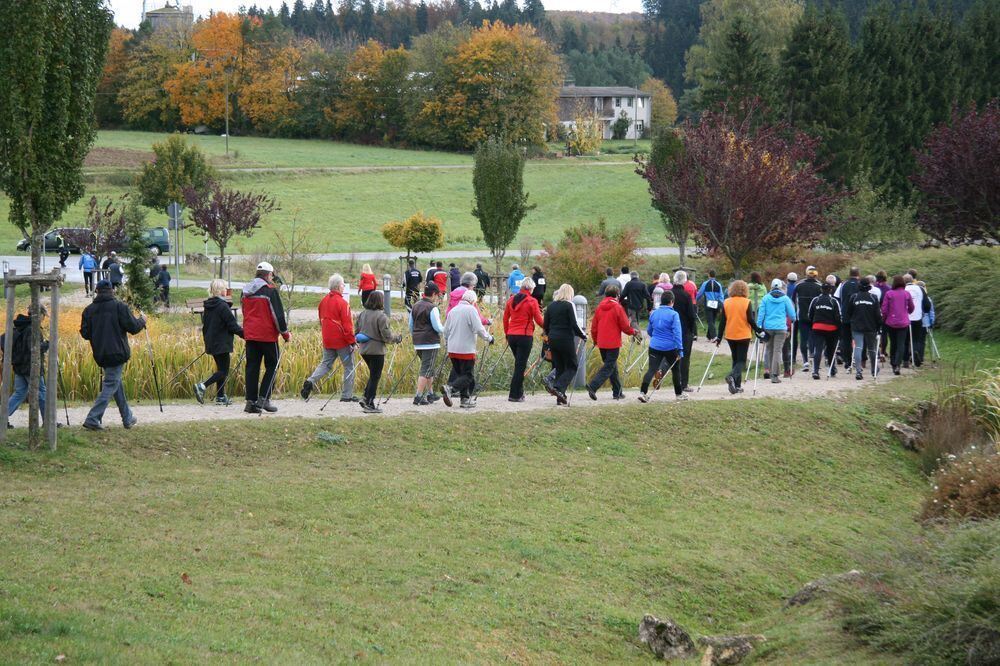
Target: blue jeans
(111, 387)
(21, 394)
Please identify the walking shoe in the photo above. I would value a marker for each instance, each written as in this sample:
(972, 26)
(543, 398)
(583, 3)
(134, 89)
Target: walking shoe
(561, 398)
(446, 395)
(521, 399)
(731, 383)
(420, 401)
(788, 374)
(591, 392)
(307, 388)
(775, 380)
(433, 397)
(130, 423)
(805, 367)
(859, 376)
(833, 371)
(547, 383)
(96, 427)
(895, 369)
(369, 408)
(467, 403)
(251, 408)
(351, 399)
(815, 375)
(906, 364)
(199, 393)
(643, 398)
(267, 406)
(222, 400)
(620, 396)
(688, 389)
(767, 375)
(681, 397)
(741, 389)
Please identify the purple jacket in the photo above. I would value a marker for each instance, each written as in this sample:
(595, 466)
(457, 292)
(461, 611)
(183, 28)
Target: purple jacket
(897, 304)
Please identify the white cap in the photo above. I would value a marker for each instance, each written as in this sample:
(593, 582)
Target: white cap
(264, 266)
(776, 284)
(792, 277)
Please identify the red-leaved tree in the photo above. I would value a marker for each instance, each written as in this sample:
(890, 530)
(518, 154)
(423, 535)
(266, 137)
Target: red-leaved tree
(958, 173)
(105, 231)
(222, 214)
(746, 187)
(581, 255)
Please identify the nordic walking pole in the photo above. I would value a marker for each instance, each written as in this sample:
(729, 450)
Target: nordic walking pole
(704, 376)
(577, 348)
(878, 342)
(346, 378)
(152, 361)
(185, 368)
(913, 358)
(489, 375)
(395, 385)
(239, 362)
(62, 392)
(274, 377)
(752, 359)
(657, 385)
(756, 366)
(937, 354)
(793, 348)
(833, 361)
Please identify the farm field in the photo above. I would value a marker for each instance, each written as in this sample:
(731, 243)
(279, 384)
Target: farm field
(347, 209)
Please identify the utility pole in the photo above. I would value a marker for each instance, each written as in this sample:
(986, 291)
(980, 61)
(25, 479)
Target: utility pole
(227, 70)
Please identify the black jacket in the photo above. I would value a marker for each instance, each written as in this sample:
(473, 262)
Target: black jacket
(685, 308)
(484, 279)
(848, 289)
(635, 296)
(413, 279)
(106, 324)
(825, 309)
(805, 292)
(559, 322)
(455, 278)
(218, 326)
(20, 353)
(863, 312)
(538, 293)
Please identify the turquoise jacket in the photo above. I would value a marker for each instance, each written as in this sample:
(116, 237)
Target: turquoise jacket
(775, 309)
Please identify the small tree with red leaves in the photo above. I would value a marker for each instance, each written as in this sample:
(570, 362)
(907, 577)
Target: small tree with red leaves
(105, 231)
(222, 214)
(746, 187)
(958, 172)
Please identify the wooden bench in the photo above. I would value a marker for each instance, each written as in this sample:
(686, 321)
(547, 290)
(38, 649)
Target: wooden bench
(197, 305)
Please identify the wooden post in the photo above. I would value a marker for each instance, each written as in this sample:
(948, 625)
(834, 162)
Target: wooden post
(8, 347)
(52, 378)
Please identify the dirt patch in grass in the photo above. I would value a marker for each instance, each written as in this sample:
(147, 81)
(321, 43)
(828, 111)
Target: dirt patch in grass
(117, 157)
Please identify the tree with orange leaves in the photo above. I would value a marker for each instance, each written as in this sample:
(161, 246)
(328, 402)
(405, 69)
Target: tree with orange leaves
(502, 81)
(106, 106)
(376, 94)
(269, 96)
(223, 57)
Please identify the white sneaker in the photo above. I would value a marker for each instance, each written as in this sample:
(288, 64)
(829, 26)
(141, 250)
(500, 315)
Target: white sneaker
(805, 367)
(681, 398)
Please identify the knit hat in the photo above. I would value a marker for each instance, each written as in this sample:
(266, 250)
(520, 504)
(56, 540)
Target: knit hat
(776, 284)
(469, 296)
(104, 284)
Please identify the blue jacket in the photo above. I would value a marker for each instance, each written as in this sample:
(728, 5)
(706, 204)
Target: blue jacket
(711, 290)
(929, 315)
(775, 307)
(665, 329)
(87, 263)
(514, 282)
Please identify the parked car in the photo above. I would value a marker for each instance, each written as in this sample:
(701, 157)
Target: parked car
(157, 240)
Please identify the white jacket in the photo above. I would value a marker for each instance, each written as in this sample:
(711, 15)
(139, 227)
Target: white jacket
(461, 328)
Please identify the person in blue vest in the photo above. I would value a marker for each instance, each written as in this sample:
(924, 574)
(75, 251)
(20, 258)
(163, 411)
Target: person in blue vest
(514, 280)
(88, 265)
(712, 295)
(666, 348)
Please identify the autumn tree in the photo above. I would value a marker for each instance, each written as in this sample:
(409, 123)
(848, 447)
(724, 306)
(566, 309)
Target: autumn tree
(375, 100)
(502, 81)
(501, 202)
(661, 169)
(270, 97)
(587, 133)
(418, 234)
(222, 214)
(176, 167)
(958, 174)
(104, 231)
(748, 187)
(664, 111)
(51, 59)
(116, 65)
(144, 101)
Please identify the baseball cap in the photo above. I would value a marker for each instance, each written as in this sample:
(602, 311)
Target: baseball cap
(265, 266)
(793, 276)
(776, 284)
(104, 284)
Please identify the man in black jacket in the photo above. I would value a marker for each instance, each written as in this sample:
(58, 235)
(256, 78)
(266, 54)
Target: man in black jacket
(845, 292)
(538, 277)
(106, 324)
(805, 292)
(20, 360)
(689, 324)
(413, 280)
(635, 298)
(482, 281)
(864, 315)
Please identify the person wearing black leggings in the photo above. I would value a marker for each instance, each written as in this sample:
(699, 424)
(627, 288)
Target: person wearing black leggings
(218, 326)
(737, 326)
(373, 334)
(520, 316)
(562, 330)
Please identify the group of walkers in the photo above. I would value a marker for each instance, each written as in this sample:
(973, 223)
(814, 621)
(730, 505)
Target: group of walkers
(850, 323)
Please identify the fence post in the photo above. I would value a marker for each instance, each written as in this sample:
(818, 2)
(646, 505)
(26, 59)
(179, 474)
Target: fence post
(8, 348)
(580, 303)
(386, 294)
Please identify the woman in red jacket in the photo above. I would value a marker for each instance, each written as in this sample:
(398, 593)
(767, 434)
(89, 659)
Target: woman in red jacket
(606, 329)
(520, 317)
(367, 284)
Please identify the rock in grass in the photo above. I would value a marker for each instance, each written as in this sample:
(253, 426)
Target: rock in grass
(908, 436)
(820, 586)
(727, 650)
(665, 638)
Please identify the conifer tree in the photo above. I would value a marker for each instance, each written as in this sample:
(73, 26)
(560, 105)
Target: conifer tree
(741, 71)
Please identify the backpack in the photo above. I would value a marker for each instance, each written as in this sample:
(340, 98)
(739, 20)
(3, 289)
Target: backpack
(20, 355)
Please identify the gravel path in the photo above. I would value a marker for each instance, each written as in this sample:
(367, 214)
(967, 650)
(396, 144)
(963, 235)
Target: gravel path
(799, 387)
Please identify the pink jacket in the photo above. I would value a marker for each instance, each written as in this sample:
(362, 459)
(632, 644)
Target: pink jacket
(456, 297)
(897, 304)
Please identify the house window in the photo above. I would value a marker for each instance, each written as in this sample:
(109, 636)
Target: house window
(639, 128)
(618, 102)
(629, 101)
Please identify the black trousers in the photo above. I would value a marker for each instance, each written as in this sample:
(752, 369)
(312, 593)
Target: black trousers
(412, 294)
(365, 294)
(220, 375)
(804, 331)
(710, 317)
(88, 281)
(165, 294)
(259, 388)
(565, 361)
(919, 334)
(823, 344)
(685, 363)
(661, 360)
(520, 347)
(739, 350)
(609, 370)
(462, 377)
(375, 363)
(846, 344)
(899, 337)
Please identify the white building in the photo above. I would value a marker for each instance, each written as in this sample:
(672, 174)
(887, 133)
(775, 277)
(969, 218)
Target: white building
(609, 102)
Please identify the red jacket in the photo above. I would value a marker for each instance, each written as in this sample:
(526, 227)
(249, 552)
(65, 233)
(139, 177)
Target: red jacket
(441, 280)
(335, 320)
(367, 283)
(608, 324)
(521, 315)
(263, 316)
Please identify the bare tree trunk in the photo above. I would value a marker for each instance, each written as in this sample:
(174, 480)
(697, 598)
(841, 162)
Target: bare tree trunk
(222, 258)
(34, 432)
(681, 247)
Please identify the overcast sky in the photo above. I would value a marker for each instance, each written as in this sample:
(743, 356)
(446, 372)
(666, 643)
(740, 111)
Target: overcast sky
(127, 12)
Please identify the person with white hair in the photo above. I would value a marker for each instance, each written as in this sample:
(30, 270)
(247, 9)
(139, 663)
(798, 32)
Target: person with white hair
(338, 340)
(218, 326)
(684, 306)
(461, 329)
